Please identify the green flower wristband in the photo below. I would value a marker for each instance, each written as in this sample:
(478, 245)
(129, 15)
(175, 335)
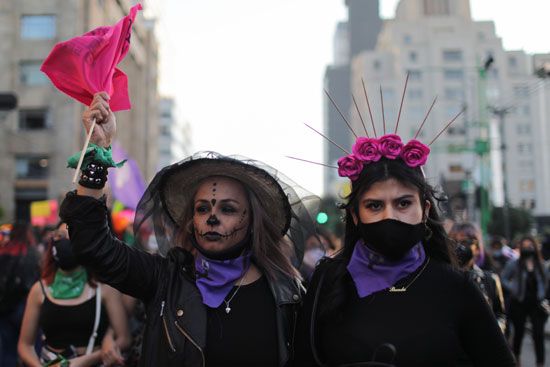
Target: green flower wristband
(94, 153)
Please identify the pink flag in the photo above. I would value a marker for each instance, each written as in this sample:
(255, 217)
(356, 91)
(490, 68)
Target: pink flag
(85, 65)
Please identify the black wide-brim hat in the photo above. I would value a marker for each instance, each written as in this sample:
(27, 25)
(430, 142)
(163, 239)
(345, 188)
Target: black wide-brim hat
(172, 190)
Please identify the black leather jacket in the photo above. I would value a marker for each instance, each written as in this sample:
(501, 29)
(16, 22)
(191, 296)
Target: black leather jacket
(175, 333)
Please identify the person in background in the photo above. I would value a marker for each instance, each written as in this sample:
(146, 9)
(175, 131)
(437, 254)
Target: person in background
(467, 238)
(75, 313)
(501, 253)
(323, 243)
(464, 231)
(19, 270)
(526, 279)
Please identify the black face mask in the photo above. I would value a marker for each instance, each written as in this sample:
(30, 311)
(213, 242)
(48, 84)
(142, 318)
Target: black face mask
(464, 254)
(527, 253)
(63, 255)
(391, 238)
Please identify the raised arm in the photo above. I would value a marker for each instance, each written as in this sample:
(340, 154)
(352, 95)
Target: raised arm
(129, 270)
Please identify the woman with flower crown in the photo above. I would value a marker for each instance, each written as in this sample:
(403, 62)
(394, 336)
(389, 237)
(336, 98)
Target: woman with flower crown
(226, 292)
(394, 296)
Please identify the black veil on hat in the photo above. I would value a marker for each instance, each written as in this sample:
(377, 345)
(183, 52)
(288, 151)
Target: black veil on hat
(172, 190)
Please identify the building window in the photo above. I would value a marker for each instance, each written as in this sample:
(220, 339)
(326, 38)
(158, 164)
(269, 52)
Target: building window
(523, 129)
(415, 74)
(453, 74)
(415, 94)
(31, 167)
(407, 39)
(452, 55)
(413, 56)
(454, 94)
(527, 185)
(33, 119)
(165, 130)
(36, 27)
(30, 74)
(437, 7)
(525, 148)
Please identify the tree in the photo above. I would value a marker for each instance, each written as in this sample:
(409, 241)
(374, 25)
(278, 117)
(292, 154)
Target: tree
(520, 222)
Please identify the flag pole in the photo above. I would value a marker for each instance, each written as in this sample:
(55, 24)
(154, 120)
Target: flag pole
(83, 152)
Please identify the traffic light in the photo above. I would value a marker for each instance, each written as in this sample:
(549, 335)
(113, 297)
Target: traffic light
(8, 101)
(322, 218)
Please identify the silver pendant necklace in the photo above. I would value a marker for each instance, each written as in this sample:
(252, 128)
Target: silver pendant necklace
(227, 307)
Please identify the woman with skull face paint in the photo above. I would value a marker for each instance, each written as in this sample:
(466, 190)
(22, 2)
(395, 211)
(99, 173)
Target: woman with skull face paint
(64, 304)
(393, 296)
(527, 281)
(223, 290)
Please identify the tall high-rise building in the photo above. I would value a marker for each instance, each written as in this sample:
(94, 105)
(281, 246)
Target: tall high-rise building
(357, 34)
(37, 138)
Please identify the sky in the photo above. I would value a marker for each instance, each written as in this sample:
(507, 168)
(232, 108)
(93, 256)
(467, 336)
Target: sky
(247, 74)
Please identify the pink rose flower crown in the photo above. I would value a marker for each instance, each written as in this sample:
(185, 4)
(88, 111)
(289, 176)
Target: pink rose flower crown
(367, 150)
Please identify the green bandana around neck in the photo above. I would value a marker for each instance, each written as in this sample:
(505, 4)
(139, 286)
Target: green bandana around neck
(68, 286)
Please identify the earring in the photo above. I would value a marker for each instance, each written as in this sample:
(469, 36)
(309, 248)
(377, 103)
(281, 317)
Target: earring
(428, 232)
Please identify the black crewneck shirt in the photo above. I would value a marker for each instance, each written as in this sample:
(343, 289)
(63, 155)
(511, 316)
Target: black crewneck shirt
(441, 320)
(247, 335)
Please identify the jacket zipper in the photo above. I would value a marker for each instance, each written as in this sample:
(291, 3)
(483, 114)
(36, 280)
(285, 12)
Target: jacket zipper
(166, 327)
(186, 334)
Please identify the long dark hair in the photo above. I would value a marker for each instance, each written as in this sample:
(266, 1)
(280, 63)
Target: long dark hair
(539, 260)
(438, 246)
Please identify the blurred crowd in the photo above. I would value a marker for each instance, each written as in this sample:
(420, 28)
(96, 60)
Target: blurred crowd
(43, 291)
(54, 312)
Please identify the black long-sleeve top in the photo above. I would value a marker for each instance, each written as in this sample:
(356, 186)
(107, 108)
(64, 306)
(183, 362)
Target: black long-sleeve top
(441, 320)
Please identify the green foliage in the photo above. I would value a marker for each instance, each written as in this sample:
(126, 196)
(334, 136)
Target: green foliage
(520, 222)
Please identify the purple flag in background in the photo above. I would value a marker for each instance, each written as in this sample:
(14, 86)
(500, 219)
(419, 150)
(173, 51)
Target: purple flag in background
(127, 183)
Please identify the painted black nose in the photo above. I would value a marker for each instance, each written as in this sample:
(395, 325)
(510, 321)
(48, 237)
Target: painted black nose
(212, 220)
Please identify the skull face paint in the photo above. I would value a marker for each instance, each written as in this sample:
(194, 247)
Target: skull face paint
(221, 213)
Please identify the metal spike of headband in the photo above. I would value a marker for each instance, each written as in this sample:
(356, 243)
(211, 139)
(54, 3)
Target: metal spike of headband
(367, 149)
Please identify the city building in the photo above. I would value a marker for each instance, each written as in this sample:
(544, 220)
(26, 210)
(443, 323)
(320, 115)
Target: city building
(353, 36)
(37, 138)
(462, 62)
(174, 134)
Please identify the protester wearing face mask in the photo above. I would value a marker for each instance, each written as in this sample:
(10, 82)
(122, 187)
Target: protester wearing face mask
(75, 313)
(394, 295)
(467, 243)
(527, 280)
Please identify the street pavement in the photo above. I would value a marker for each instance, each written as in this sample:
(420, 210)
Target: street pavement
(528, 349)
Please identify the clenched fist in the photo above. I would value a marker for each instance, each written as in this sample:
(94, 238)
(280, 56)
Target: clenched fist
(105, 129)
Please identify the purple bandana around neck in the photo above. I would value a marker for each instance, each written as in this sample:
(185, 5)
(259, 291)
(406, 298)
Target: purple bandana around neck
(371, 272)
(216, 278)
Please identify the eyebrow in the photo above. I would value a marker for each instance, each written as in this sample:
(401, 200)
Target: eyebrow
(220, 201)
(408, 196)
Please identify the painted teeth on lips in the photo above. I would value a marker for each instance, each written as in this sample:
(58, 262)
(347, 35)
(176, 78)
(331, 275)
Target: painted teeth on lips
(212, 236)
